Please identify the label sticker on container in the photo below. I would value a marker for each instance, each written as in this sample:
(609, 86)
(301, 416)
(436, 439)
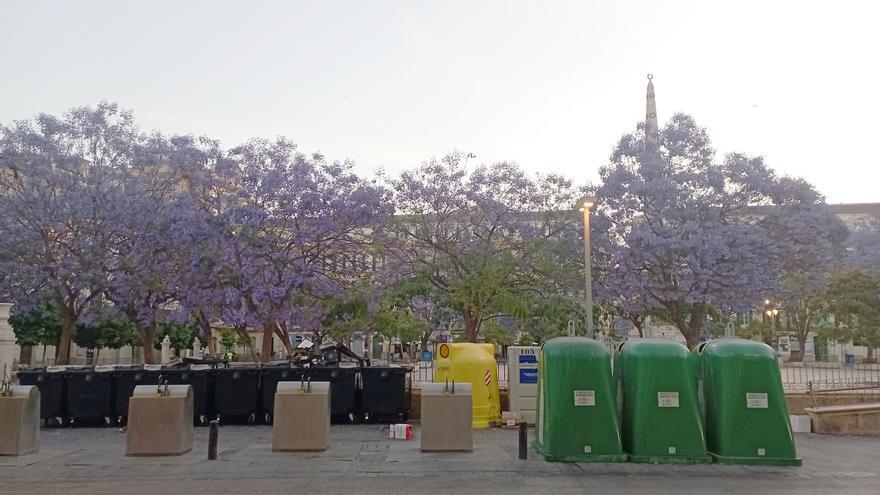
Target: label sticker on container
(588, 449)
(528, 375)
(756, 401)
(671, 450)
(528, 359)
(667, 399)
(584, 397)
(762, 452)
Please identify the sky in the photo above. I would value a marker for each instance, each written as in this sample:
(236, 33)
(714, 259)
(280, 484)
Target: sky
(551, 85)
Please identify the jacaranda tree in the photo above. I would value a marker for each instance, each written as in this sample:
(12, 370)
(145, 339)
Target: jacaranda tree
(488, 238)
(684, 234)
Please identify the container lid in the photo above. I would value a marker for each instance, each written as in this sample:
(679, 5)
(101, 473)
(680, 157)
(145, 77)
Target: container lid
(151, 390)
(303, 387)
(454, 388)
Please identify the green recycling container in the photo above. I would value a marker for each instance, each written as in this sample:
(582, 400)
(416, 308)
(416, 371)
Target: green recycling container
(745, 410)
(577, 409)
(660, 413)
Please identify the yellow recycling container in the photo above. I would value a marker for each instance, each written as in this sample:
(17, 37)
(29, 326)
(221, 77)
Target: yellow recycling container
(474, 364)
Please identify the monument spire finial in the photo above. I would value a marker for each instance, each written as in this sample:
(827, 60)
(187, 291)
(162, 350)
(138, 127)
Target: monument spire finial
(652, 130)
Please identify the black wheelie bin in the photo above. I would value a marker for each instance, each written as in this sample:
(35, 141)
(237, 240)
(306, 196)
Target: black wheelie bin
(201, 379)
(344, 406)
(383, 397)
(90, 395)
(126, 378)
(50, 382)
(270, 375)
(237, 393)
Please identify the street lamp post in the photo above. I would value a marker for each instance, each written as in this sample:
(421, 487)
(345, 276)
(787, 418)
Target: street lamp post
(587, 203)
(773, 314)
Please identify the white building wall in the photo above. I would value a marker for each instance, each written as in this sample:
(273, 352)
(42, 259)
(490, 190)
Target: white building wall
(9, 352)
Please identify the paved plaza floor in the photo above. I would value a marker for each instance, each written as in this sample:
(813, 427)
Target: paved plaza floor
(362, 460)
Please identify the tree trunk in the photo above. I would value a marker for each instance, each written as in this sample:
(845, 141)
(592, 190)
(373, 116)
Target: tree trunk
(267, 349)
(693, 326)
(424, 340)
(205, 330)
(97, 355)
(870, 355)
(281, 332)
(472, 325)
(68, 325)
(368, 344)
(639, 324)
(26, 354)
(147, 333)
(692, 338)
(802, 345)
(800, 319)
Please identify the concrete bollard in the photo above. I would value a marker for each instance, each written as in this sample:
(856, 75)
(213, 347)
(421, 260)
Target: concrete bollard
(160, 420)
(19, 420)
(447, 415)
(301, 421)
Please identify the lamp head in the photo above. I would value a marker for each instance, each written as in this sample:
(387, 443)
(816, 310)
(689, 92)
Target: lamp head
(586, 203)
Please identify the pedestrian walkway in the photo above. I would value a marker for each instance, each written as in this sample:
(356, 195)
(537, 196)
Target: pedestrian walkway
(362, 460)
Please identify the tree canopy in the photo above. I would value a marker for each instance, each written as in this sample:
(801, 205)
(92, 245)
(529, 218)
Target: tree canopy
(114, 228)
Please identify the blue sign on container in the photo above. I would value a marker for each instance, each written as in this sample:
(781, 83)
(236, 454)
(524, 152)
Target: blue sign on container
(427, 356)
(528, 359)
(528, 375)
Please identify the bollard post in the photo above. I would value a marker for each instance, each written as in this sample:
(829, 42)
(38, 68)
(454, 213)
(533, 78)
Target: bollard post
(213, 432)
(523, 441)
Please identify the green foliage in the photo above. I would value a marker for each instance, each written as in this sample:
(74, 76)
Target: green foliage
(88, 337)
(548, 317)
(391, 322)
(228, 338)
(496, 334)
(406, 310)
(757, 328)
(40, 326)
(110, 333)
(346, 316)
(853, 297)
(181, 335)
(526, 339)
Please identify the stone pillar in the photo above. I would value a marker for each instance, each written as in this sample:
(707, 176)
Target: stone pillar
(9, 352)
(648, 327)
(166, 350)
(730, 327)
(197, 348)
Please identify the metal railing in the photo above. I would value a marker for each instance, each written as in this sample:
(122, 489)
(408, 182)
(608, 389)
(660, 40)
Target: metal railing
(820, 378)
(423, 372)
(811, 378)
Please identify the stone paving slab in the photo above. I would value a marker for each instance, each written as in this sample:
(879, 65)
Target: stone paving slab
(362, 459)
